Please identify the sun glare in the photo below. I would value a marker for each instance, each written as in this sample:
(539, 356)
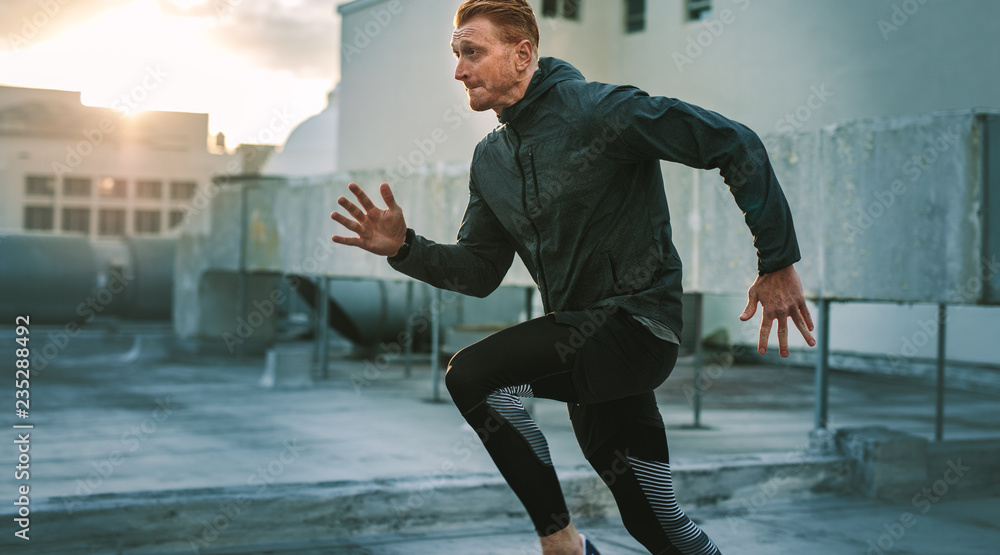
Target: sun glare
(135, 58)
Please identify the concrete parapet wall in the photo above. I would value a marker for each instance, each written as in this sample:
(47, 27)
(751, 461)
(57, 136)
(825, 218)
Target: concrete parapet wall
(885, 209)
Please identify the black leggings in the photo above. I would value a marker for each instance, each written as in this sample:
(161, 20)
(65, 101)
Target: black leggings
(605, 370)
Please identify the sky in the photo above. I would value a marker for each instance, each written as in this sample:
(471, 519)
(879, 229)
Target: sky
(241, 61)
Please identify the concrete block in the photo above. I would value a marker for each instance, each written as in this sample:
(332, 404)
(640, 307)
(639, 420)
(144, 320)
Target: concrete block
(288, 366)
(964, 468)
(890, 465)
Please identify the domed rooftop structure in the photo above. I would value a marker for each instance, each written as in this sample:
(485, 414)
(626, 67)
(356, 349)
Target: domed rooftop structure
(311, 148)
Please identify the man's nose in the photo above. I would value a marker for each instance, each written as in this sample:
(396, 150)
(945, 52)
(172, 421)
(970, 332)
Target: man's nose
(461, 72)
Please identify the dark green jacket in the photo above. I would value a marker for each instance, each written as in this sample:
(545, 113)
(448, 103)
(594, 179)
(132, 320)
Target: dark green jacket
(570, 182)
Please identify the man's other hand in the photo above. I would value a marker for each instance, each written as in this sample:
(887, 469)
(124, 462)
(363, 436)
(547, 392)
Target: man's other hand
(780, 296)
(379, 231)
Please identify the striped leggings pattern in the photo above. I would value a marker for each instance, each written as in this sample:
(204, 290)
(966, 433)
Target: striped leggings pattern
(507, 403)
(657, 486)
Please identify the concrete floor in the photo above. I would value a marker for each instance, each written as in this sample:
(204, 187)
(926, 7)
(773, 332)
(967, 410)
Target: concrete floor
(105, 426)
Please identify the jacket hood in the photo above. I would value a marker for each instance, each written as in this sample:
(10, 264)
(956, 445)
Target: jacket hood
(551, 71)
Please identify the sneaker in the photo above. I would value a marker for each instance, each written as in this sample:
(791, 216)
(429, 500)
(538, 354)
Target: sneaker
(588, 548)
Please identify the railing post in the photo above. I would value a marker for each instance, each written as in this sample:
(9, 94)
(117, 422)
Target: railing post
(939, 404)
(323, 324)
(436, 343)
(822, 363)
(408, 347)
(698, 304)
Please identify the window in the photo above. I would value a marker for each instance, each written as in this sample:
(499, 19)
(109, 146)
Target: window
(76, 219)
(148, 189)
(113, 187)
(111, 222)
(570, 8)
(635, 16)
(38, 217)
(176, 218)
(182, 190)
(697, 9)
(76, 186)
(40, 185)
(147, 221)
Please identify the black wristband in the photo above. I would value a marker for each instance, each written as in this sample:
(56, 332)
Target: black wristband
(405, 248)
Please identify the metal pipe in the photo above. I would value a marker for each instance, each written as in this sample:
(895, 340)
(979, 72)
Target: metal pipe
(323, 328)
(939, 404)
(822, 363)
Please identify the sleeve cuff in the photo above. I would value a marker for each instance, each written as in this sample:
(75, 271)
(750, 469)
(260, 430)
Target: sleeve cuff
(405, 249)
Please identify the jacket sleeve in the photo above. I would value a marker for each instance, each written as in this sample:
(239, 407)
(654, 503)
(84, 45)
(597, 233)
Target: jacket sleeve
(475, 265)
(659, 127)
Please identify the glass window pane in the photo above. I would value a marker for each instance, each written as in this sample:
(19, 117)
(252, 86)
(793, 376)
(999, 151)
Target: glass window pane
(38, 217)
(147, 221)
(113, 187)
(76, 186)
(111, 222)
(698, 9)
(148, 189)
(176, 218)
(549, 8)
(571, 9)
(182, 190)
(40, 185)
(635, 16)
(76, 219)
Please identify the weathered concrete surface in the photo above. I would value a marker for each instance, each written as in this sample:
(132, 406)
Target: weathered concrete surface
(885, 209)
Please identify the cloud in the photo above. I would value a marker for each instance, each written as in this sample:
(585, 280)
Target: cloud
(298, 36)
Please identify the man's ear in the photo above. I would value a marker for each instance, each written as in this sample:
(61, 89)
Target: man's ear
(524, 55)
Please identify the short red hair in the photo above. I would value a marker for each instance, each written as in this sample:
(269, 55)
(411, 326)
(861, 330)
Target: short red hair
(514, 19)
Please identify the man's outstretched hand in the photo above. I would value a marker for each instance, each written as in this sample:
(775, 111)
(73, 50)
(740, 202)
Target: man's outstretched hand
(379, 231)
(780, 296)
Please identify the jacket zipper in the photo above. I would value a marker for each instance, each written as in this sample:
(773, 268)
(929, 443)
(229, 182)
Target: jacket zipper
(540, 272)
(534, 177)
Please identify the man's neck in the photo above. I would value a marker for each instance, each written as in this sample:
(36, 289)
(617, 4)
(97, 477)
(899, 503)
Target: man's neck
(520, 89)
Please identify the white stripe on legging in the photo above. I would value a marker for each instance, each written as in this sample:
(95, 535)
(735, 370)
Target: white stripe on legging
(657, 486)
(505, 401)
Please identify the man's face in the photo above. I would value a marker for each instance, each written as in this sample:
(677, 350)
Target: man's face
(486, 65)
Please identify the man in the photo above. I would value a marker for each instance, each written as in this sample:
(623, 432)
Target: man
(570, 182)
